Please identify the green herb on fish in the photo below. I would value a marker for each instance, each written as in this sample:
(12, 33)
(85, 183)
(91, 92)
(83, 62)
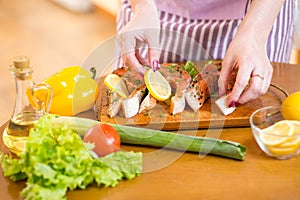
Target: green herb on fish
(171, 68)
(191, 68)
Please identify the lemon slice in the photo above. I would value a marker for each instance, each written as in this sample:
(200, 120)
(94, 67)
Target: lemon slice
(157, 85)
(293, 141)
(296, 125)
(282, 151)
(272, 140)
(116, 83)
(275, 134)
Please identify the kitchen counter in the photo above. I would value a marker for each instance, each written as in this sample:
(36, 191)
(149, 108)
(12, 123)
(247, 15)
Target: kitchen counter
(176, 175)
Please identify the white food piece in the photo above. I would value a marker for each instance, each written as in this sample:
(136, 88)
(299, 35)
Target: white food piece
(221, 102)
(131, 105)
(147, 104)
(192, 101)
(177, 104)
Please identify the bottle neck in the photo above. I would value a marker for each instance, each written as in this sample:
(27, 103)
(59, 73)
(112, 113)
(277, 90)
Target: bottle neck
(23, 100)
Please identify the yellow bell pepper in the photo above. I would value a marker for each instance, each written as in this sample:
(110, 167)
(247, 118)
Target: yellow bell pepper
(74, 91)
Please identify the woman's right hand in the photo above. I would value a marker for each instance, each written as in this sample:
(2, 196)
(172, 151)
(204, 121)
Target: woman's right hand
(143, 28)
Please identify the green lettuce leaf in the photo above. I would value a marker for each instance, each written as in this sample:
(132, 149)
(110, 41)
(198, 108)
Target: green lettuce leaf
(57, 160)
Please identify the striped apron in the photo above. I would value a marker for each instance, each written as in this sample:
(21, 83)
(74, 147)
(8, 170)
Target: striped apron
(184, 39)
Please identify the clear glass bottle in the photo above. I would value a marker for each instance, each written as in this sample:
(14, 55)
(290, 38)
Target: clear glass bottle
(31, 102)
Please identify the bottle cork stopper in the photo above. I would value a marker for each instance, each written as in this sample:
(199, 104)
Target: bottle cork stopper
(21, 62)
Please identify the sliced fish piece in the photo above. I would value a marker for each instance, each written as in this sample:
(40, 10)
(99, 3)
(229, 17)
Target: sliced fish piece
(203, 84)
(178, 78)
(133, 80)
(177, 104)
(148, 103)
(192, 100)
(131, 105)
(114, 105)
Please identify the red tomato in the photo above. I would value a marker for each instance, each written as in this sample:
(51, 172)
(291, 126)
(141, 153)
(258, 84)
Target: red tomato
(105, 138)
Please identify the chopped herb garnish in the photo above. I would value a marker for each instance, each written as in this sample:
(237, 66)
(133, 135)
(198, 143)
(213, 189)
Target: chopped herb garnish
(138, 82)
(171, 69)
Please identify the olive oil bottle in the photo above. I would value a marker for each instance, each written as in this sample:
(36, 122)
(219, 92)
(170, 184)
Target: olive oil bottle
(31, 102)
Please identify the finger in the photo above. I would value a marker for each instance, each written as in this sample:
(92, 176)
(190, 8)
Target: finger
(224, 76)
(154, 55)
(128, 44)
(141, 59)
(259, 84)
(240, 84)
(257, 87)
(131, 61)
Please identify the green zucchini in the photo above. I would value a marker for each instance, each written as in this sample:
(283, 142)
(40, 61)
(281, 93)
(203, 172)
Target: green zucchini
(156, 138)
(177, 141)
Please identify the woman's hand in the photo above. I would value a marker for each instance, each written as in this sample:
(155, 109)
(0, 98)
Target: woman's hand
(254, 70)
(247, 53)
(143, 29)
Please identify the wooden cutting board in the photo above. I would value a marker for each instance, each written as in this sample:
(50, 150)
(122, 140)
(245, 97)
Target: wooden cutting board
(208, 116)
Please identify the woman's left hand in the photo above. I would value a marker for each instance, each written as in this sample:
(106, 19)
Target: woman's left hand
(254, 70)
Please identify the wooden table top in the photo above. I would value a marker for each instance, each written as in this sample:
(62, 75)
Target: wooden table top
(175, 175)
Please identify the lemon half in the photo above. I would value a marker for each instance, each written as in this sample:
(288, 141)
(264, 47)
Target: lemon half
(157, 85)
(116, 83)
(290, 108)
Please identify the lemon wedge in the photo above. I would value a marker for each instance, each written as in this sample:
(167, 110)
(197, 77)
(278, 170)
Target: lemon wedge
(157, 85)
(116, 83)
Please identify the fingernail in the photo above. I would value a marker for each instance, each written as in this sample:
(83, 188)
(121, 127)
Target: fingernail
(233, 104)
(155, 65)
